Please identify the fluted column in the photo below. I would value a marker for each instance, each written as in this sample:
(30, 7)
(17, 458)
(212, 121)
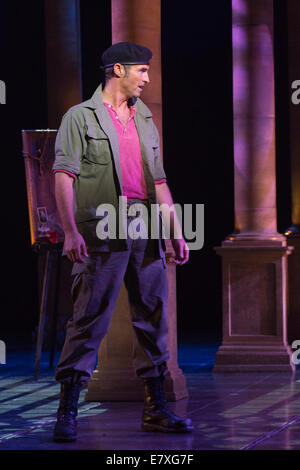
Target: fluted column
(254, 257)
(254, 120)
(114, 379)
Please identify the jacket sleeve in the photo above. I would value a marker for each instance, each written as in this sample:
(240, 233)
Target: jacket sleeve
(159, 172)
(70, 144)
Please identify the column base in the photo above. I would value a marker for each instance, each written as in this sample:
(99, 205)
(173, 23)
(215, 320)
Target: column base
(124, 385)
(241, 358)
(114, 385)
(254, 307)
(253, 239)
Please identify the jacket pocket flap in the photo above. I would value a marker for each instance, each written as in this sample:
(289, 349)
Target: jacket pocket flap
(95, 132)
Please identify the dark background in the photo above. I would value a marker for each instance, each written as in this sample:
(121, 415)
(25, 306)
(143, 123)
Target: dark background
(198, 144)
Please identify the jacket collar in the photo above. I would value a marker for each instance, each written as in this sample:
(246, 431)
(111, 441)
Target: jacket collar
(96, 102)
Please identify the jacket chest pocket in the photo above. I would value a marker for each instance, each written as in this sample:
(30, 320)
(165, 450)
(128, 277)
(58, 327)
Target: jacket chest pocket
(150, 152)
(98, 148)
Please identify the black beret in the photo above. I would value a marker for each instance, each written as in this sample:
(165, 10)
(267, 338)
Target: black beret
(126, 53)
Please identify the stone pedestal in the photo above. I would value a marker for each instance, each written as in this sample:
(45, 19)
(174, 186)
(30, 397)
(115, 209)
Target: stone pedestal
(254, 309)
(293, 320)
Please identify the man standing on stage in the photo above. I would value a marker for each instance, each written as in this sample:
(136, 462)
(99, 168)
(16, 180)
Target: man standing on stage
(107, 148)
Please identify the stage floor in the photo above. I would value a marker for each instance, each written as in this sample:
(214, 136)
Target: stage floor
(229, 411)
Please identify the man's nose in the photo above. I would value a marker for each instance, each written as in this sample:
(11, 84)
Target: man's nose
(146, 78)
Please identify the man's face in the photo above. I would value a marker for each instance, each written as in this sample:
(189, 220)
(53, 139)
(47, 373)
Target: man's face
(137, 77)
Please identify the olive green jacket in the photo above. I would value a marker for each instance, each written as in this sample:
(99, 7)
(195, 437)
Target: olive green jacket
(87, 146)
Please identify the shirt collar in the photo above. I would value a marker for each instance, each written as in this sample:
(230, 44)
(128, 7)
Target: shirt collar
(132, 109)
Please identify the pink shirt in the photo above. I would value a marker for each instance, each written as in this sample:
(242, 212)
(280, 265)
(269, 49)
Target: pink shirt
(133, 180)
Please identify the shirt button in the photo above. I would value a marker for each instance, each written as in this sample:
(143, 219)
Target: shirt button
(117, 117)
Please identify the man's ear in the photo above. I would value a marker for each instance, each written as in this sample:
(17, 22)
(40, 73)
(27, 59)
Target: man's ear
(119, 70)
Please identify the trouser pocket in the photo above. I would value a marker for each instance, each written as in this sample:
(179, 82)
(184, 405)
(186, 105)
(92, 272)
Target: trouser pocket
(82, 291)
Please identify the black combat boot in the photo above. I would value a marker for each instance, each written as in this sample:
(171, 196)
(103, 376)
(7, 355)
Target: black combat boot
(156, 414)
(65, 428)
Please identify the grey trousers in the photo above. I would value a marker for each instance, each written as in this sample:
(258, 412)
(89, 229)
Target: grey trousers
(95, 289)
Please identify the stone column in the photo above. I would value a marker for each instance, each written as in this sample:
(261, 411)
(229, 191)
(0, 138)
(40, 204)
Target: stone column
(63, 57)
(114, 378)
(63, 65)
(293, 232)
(140, 22)
(254, 258)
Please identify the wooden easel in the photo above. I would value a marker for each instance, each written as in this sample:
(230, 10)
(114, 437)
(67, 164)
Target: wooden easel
(51, 251)
(38, 153)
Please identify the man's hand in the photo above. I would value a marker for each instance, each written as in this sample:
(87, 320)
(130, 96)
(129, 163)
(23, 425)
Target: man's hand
(181, 251)
(75, 247)
(74, 243)
(171, 221)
